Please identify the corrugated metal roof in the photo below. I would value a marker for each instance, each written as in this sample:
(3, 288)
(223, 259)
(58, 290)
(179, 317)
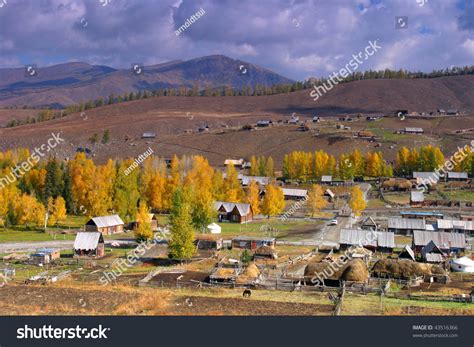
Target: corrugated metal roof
(452, 174)
(455, 224)
(413, 130)
(106, 221)
(87, 240)
(409, 251)
(330, 193)
(424, 175)
(385, 239)
(358, 237)
(262, 180)
(406, 223)
(295, 192)
(416, 196)
(442, 239)
(326, 178)
(421, 213)
(433, 257)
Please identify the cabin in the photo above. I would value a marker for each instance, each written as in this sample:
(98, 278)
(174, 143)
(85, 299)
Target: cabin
(328, 193)
(106, 225)
(234, 162)
(294, 194)
(316, 119)
(233, 212)
(448, 242)
(405, 226)
(89, 244)
(457, 176)
(264, 123)
(370, 239)
(452, 112)
(148, 135)
(431, 253)
(326, 179)
(208, 243)
(45, 256)
(416, 198)
(412, 130)
(294, 120)
(261, 180)
(247, 242)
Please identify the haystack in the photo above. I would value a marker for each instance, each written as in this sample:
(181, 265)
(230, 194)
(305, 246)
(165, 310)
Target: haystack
(401, 268)
(250, 274)
(356, 271)
(265, 252)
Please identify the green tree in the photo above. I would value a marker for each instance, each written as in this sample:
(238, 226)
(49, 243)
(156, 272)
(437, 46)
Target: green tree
(106, 136)
(181, 244)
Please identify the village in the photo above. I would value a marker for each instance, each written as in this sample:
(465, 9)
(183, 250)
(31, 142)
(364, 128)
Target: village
(394, 244)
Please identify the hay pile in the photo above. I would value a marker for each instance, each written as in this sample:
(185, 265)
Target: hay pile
(224, 273)
(404, 268)
(355, 270)
(266, 251)
(250, 274)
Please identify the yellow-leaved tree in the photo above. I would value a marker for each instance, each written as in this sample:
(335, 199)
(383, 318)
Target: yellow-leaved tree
(316, 200)
(357, 201)
(143, 231)
(274, 201)
(253, 197)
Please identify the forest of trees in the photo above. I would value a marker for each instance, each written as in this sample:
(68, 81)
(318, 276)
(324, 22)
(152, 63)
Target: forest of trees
(258, 90)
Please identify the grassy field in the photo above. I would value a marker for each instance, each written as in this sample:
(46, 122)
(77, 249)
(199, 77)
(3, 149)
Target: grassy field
(460, 195)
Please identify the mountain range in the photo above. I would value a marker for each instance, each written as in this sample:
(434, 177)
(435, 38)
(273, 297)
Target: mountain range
(71, 83)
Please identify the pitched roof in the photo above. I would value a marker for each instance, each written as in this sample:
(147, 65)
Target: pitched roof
(367, 238)
(295, 192)
(243, 209)
(369, 221)
(406, 223)
(330, 193)
(407, 250)
(106, 221)
(87, 240)
(455, 224)
(441, 239)
(262, 180)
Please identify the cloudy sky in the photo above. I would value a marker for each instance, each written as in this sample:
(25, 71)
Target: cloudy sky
(296, 38)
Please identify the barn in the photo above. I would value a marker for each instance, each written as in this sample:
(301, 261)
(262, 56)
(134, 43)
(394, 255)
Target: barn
(106, 225)
(294, 194)
(247, 242)
(89, 244)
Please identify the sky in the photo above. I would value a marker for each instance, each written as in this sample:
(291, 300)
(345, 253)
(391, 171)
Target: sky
(296, 38)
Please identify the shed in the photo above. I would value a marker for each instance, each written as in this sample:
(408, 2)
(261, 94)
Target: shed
(247, 242)
(264, 123)
(416, 198)
(107, 225)
(208, 242)
(369, 224)
(431, 253)
(45, 255)
(407, 253)
(294, 194)
(457, 176)
(265, 252)
(328, 192)
(261, 180)
(89, 244)
(405, 226)
(326, 179)
(454, 242)
(425, 177)
(148, 135)
(371, 239)
(411, 130)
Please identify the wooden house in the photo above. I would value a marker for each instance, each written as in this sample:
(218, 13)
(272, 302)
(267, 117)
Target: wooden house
(233, 212)
(431, 253)
(208, 242)
(294, 194)
(89, 244)
(106, 225)
(45, 255)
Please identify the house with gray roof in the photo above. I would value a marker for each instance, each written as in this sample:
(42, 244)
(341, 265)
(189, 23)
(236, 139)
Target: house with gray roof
(405, 226)
(371, 239)
(106, 225)
(233, 212)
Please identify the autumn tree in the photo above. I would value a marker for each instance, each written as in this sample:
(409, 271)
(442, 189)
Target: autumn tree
(316, 201)
(233, 190)
(274, 201)
(143, 230)
(253, 197)
(357, 201)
